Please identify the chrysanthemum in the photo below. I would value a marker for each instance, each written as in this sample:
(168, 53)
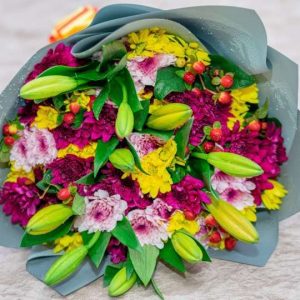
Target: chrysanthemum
(86, 152)
(14, 174)
(102, 212)
(272, 198)
(46, 118)
(178, 221)
(150, 229)
(34, 147)
(116, 251)
(68, 242)
(160, 208)
(82, 98)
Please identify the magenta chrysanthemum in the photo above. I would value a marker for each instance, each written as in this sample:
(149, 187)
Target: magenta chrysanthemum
(34, 147)
(116, 251)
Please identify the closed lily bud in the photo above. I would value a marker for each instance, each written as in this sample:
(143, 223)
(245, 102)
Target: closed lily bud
(120, 284)
(65, 266)
(169, 116)
(124, 121)
(186, 247)
(232, 164)
(122, 159)
(48, 218)
(233, 221)
(49, 86)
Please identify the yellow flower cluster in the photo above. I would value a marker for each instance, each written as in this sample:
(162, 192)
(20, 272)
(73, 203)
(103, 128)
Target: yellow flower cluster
(250, 213)
(46, 118)
(147, 42)
(82, 98)
(178, 221)
(86, 152)
(68, 243)
(272, 199)
(241, 98)
(155, 164)
(14, 174)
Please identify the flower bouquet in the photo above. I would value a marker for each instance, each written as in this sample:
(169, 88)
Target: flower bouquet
(143, 145)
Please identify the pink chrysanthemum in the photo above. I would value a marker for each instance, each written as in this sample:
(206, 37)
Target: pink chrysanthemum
(143, 70)
(160, 208)
(34, 147)
(205, 112)
(187, 195)
(102, 212)
(149, 228)
(61, 55)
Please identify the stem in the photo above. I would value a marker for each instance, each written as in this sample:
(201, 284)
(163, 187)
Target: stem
(203, 85)
(94, 239)
(124, 91)
(45, 192)
(199, 155)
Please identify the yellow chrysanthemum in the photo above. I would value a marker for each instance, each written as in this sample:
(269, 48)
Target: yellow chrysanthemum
(86, 152)
(178, 221)
(68, 243)
(46, 118)
(250, 213)
(147, 42)
(82, 98)
(272, 199)
(241, 98)
(155, 164)
(14, 174)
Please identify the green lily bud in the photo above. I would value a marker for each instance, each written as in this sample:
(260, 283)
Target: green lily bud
(120, 284)
(232, 164)
(169, 116)
(65, 266)
(122, 159)
(186, 247)
(49, 86)
(48, 219)
(124, 121)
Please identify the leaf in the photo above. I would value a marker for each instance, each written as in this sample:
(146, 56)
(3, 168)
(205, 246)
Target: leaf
(119, 67)
(129, 268)
(262, 112)
(89, 179)
(168, 81)
(156, 289)
(135, 156)
(45, 183)
(78, 205)
(100, 100)
(78, 119)
(140, 116)
(110, 272)
(103, 150)
(170, 256)
(32, 240)
(201, 169)
(96, 253)
(182, 138)
(112, 51)
(4, 152)
(144, 262)
(178, 174)
(58, 101)
(125, 234)
(164, 135)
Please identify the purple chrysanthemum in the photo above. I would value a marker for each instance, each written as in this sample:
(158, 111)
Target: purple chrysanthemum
(117, 251)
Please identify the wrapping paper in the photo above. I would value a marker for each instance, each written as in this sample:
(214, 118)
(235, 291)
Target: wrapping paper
(236, 33)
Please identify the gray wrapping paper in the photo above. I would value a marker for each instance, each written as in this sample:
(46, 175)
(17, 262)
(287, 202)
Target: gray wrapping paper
(236, 33)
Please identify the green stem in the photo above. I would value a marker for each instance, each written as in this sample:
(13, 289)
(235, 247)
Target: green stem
(124, 90)
(93, 240)
(199, 155)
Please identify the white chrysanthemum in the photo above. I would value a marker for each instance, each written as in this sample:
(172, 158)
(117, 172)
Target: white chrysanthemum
(34, 147)
(102, 212)
(150, 229)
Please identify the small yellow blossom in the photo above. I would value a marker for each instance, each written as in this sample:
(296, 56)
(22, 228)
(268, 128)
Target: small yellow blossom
(272, 198)
(14, 174)
(241, 98)
(81, 98)
(155, 164)
(68, 243)
(86, 152)
(46, 118)
(250, 213)
(178, 221)
(145, 95)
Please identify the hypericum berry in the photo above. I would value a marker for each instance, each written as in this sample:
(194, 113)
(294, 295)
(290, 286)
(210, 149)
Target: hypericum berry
(189, 77)
(230, 243)
(216, 134)
(197, 91)
(75, 108)
(226, 81)
(199, 67)
(215, 237)
(13, 129)
(210, 221)
(189, 215)
(264, 125)
(9, 140)
(208, 146)
(69, 118)
(64, 194)
(5, 129)
(254, 125)
(225, 98)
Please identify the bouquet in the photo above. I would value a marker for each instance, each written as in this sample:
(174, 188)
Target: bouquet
(150, 148)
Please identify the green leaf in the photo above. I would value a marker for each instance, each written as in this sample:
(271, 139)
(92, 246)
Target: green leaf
(170, 256)
(262, 112)
(129, 268)
(135, 156)
(112, 51)
(60, 119)
(4, 152)
(103, 151)
(144, 262)
(100, 100)
(178, 174)
(78, 119)
(156, 289)
(182, 138)
(168, 81)
(78, 205)
(140, 116)
(45, 183)
(164, 135)
(119, 67)
(89, 179)
(92, 75)
(58, 101)
(125, 234)
(110, 272)
(32, 240)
